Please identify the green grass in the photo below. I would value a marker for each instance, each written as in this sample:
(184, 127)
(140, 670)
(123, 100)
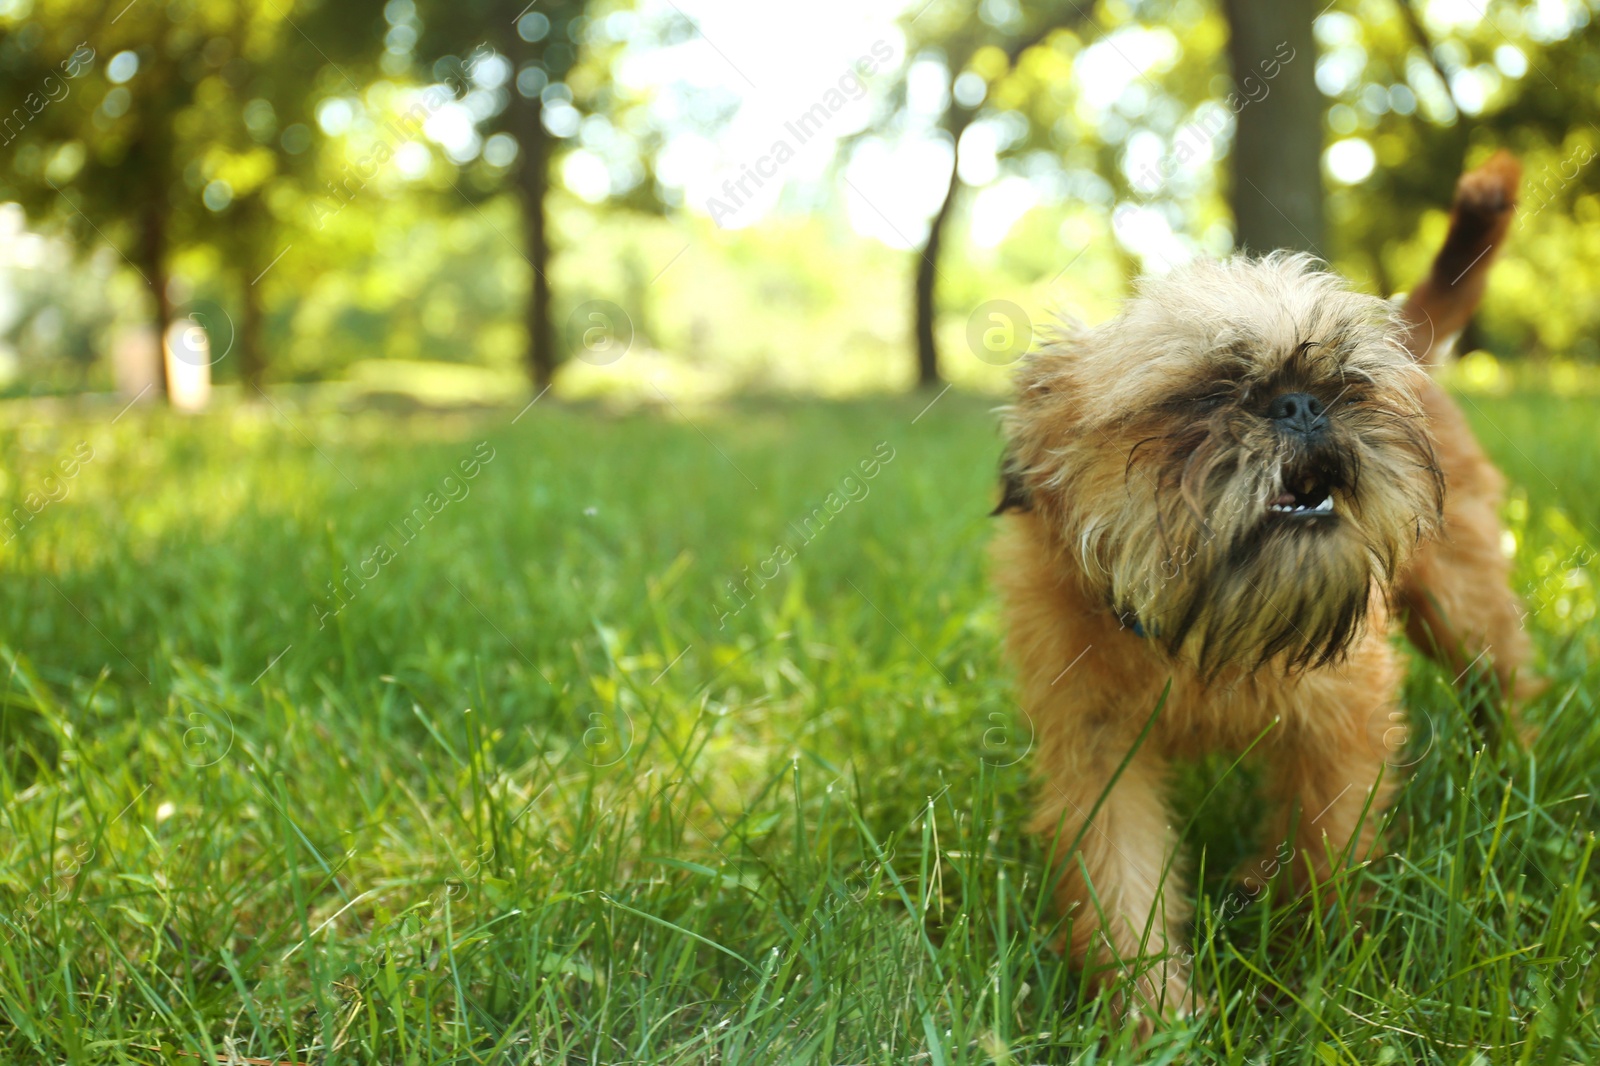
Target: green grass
(528, 796)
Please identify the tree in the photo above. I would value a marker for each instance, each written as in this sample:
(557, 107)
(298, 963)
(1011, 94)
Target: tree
(1432, 97)
(101, 158)
(980, 44)
(1276, 192)
(545, 45)
(175, 134)
(251, 140)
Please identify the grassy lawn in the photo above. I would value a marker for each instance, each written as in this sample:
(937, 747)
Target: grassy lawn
(437, 738)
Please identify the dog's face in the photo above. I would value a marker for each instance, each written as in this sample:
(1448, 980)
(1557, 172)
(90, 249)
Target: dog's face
(1238, 460)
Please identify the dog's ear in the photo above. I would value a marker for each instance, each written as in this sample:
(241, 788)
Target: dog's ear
(1014, 495)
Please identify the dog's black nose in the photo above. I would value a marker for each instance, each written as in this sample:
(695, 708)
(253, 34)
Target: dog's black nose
(1298, 412)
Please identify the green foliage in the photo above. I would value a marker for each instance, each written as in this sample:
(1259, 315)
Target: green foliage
(1522, 75)
(1523, 79)
(529, 789)
(260, 154)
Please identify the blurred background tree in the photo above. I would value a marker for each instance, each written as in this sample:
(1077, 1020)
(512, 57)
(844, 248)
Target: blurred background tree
(978, 45)
(185, 121)
(1275, 187)
(375, 194)
(1013, 87)
(551, 67)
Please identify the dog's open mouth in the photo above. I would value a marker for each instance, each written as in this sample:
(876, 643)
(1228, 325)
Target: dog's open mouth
(1307, 493)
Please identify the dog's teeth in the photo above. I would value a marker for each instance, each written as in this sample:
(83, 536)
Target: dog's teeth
(1325, 507)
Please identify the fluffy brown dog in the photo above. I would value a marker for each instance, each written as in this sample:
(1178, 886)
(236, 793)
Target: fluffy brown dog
(1234, 487)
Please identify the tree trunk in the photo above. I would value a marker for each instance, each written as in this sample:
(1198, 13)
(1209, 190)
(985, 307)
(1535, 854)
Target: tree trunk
(928, 263)
(252, 356)
(533, 183)
(153, 263)
(1276, 193)
(253, 226)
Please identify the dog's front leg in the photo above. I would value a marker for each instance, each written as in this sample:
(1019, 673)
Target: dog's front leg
(1087, 689)
(1335, 763)
(1124, 905)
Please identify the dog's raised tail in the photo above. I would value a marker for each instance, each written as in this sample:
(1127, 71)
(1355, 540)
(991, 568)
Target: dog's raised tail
(1440, 307)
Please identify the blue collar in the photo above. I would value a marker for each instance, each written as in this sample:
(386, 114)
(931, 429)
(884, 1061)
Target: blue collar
(1131, 622)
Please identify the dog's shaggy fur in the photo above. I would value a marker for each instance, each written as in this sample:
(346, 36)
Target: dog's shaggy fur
(1233, 487)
